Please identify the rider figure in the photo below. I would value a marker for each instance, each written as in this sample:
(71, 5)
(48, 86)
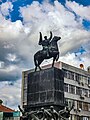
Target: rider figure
(45, 43)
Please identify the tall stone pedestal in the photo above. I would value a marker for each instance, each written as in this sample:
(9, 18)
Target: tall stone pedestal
(45, 88)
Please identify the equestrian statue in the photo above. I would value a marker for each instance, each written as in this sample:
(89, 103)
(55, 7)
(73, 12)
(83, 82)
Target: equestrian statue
(50, 50)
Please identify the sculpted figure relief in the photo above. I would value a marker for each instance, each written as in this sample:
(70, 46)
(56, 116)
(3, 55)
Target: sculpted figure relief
(28, 115)
(50, 50)
(46, 114)
(65, 113)
(54, 113)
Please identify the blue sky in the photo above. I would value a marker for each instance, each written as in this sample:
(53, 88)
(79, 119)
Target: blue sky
(15, 14)
(20, 24)
(17, 3)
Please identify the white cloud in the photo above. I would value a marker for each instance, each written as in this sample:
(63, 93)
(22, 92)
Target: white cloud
(5, 8)
(71, 59)
(12, 31)
(1, 64)
(11, 57)
(82, 11)
(74, 39)
(11, 93)
(76, 60)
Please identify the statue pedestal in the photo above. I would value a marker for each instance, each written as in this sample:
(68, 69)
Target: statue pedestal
(45, 88)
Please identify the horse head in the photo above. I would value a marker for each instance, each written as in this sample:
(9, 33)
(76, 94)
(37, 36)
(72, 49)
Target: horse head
(56, 38)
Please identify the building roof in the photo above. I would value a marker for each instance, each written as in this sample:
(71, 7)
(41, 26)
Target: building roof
(5, 109)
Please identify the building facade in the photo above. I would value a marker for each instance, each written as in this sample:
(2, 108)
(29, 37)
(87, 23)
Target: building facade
(7, 113)
(76, 90)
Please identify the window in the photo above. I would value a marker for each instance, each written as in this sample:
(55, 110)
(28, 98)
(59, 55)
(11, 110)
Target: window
(85, 79)
(72, 89)
(65, 73)
(85, 118)
(78, 91)
(66, 101)
(76, 117)
(69, 74)
(79, 105)
(69, 102)
(88, 107)
(72, 76)
(81, 78)
(85, 106)
(89, 80)
(85, 92)
(77, 77)
(89, 94)
(66, 87)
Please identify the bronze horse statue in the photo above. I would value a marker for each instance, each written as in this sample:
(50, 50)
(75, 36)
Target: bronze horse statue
(53, 52)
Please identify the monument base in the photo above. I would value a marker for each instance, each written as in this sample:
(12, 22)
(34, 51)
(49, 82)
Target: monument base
(45, 88)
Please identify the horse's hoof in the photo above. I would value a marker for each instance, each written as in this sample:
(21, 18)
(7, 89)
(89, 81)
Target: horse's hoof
(35, 69)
